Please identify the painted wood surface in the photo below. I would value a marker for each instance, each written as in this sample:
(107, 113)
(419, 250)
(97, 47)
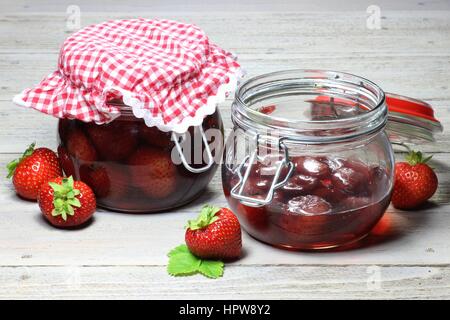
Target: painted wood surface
(124, 256)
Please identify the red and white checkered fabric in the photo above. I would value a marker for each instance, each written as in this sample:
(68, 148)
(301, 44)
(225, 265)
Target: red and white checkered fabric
(168, 72)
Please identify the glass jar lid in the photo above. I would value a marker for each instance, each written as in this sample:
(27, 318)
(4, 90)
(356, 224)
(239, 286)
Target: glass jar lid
(317, 106)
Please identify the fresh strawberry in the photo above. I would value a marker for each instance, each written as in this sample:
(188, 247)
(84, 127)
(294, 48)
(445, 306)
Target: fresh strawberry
(155, 137)
(35, 167)
(215, 234)
(79, 146)
(415, 182)
(66, 161)
(113, 141)
(153, 171)
(66, 203)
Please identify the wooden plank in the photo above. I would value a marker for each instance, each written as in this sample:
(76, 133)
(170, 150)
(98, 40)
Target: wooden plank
(413, 237)
(398, 74)
(239, 282)
(29, 6)
(410, 32)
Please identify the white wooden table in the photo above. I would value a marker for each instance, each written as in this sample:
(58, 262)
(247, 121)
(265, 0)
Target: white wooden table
(124, 256)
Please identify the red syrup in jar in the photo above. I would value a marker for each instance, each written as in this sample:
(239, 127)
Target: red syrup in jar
(129, 165)
(327, 202)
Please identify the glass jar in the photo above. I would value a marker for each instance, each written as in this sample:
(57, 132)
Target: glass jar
(135, 168)
(308, 164)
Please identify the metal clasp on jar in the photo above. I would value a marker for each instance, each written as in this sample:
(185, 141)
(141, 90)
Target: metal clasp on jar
(238, 189)
(179, 139)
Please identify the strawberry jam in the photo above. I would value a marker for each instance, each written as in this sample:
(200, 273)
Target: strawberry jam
(326, 202)
(135, 168)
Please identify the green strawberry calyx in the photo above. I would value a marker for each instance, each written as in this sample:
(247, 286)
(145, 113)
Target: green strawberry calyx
(413, 157)
(65, 198)
(416, 157)
(11, 166)
(207, 216)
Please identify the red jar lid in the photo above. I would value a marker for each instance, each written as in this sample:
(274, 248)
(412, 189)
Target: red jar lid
(411, 119)
(410, 106)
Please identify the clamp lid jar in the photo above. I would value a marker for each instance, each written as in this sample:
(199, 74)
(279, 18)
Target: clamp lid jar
(309, 164)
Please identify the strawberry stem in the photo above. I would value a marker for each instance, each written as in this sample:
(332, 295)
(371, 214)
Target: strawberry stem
(11, 166)
(64, 198)
(206, 217)
(416, 157)
(413, 157)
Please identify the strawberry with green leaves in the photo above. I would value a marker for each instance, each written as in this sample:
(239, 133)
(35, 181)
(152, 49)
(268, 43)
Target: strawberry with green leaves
(214, 236)
(66, 203)
(35, 167)
(415, 182)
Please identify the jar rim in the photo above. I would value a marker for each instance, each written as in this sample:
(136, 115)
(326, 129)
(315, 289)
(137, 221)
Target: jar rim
(270, 85)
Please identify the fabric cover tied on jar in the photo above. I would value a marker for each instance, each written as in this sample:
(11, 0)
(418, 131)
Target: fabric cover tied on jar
(168, 73)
